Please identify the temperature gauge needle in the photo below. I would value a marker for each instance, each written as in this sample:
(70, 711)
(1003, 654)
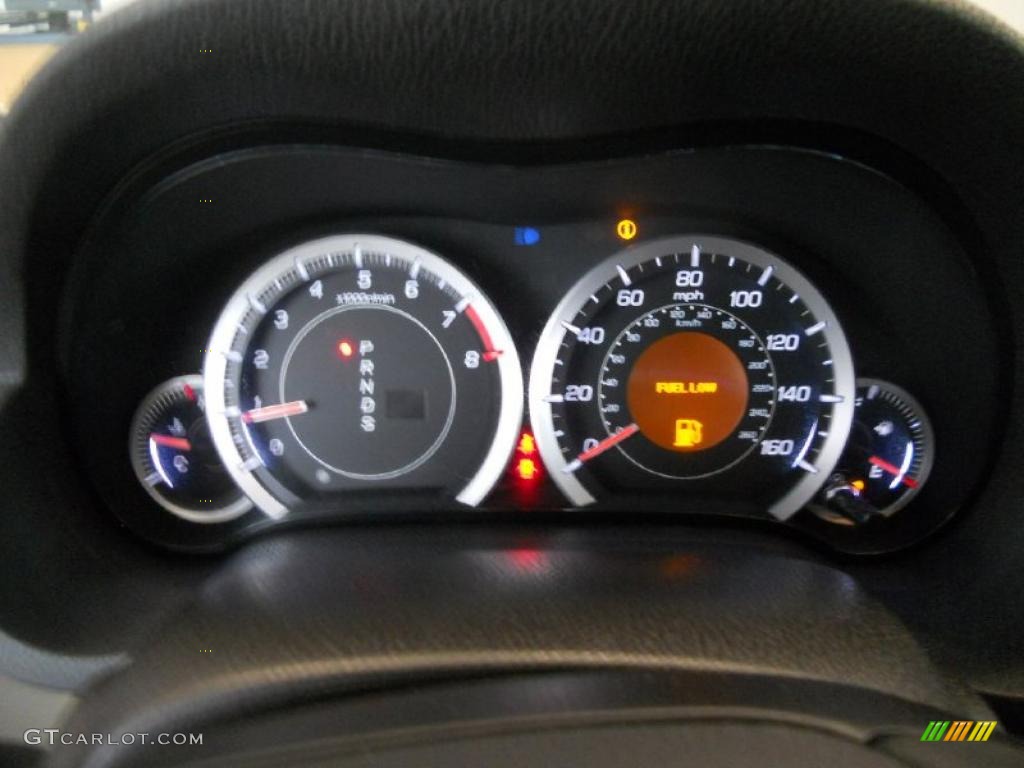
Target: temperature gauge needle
(892, 469)
(271, 412)
(179, 443)
(609, 442)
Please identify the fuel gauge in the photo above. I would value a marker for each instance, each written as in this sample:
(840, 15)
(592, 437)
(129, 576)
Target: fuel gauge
(174, 458)
(887, 458)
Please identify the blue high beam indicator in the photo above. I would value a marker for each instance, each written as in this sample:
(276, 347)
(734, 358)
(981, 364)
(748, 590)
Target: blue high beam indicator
(527, 236)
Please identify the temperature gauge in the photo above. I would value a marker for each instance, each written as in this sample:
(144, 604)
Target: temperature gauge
(174, 458)
(887, 458)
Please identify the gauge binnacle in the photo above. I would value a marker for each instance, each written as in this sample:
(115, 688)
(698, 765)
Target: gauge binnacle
(362, 362)
(701, 367)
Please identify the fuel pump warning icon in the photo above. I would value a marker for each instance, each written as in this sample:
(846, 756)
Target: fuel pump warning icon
(688, 433)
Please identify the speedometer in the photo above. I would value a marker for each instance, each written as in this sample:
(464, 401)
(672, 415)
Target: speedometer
(361, 362)
(704, 368)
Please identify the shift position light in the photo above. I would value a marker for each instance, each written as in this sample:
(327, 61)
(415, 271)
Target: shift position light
(346, 349)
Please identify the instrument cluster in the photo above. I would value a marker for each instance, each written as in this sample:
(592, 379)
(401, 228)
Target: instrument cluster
(636, 368)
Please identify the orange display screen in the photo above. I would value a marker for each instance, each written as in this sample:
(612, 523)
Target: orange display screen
(687, 392)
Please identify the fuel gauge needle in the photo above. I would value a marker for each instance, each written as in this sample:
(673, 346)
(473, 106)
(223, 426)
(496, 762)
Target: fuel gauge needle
(609, 442)
(271, 412)
(180, 443)
(892, 469)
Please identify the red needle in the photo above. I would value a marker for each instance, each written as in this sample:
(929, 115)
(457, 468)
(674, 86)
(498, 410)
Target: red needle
(179, 443)
(490, 353)
(270, 412)
(892, 469)
(609, 442)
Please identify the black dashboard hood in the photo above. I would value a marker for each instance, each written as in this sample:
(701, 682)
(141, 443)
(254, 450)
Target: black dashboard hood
(423, 645)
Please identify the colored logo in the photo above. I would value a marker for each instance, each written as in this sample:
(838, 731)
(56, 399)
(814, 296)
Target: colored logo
(958, 730)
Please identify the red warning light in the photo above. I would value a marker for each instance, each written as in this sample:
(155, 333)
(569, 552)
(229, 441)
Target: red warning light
(527, 445)
(346, 349)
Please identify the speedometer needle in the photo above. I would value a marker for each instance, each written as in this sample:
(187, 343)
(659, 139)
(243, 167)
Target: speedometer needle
(609, 442)
(271, 412)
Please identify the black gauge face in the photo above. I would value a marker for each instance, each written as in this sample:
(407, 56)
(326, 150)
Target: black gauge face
(887, 459)
(362, 362)
(702, 367)
(174, 458)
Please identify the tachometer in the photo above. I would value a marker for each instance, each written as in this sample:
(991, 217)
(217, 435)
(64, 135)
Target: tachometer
(698, 366)
(361, 362)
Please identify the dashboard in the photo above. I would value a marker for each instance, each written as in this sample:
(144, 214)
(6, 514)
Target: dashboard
(697, 333)
(376, 371)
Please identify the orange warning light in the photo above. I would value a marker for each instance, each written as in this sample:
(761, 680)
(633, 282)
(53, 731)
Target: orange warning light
(626, 229)
(858, 484)
(526, 469)
(689, 432)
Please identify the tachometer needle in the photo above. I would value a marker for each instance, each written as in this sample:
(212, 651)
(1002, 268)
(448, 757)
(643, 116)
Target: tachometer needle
(271, 412)
(609, 442)
(179, 443)
(892, 469)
